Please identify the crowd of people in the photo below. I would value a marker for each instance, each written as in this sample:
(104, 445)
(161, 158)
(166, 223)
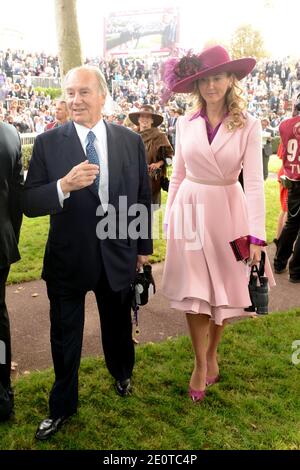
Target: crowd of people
(132, 82)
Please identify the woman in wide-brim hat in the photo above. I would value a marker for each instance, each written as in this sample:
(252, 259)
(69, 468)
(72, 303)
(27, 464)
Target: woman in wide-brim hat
(148, 111)
(207, 208)
(157, 145)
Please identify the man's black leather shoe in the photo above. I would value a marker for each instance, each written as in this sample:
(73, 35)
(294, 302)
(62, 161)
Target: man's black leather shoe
(295, 280)
(123, 387)
(279, 269)
(48, 427)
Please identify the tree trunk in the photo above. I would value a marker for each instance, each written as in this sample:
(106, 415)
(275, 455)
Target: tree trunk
(69, 46)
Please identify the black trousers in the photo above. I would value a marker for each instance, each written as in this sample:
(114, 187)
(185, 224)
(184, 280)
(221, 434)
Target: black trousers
(290, 233)
(67, 322)
(266, 159)
(5, 341)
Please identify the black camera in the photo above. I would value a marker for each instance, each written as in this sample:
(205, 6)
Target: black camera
(143, 286)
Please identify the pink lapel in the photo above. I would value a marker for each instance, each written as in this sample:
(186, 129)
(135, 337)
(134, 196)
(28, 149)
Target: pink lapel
(208, 151)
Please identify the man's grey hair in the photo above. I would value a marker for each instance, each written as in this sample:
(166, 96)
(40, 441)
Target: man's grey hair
(96, 71)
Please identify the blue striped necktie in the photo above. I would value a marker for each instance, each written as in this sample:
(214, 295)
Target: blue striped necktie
(92, 155)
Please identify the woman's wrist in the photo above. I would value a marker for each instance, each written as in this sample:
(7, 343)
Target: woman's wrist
(257, 241)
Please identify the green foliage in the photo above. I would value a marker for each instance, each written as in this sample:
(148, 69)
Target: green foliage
(272, 208)
(247, 42)
(32, 246)
(275, 144)
(255, 406)
(274, 164)
(26, 155)
(53, 92)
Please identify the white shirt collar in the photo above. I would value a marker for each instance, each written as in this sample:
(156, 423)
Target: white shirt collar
(83, 131)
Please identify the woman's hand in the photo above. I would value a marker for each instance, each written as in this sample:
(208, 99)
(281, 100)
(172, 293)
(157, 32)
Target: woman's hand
(255, 255)
(155, 166)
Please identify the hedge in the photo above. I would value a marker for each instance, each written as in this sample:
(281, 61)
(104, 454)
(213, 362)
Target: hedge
(26, 155)
(275, 144)
(53, 92)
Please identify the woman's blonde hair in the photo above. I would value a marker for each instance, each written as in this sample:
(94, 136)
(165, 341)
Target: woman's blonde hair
(234, 101)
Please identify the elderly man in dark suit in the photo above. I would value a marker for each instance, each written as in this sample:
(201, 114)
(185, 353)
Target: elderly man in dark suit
(91, 177)
(11, 181)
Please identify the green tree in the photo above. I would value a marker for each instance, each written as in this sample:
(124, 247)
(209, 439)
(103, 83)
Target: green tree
(69, 46)
(247, 42)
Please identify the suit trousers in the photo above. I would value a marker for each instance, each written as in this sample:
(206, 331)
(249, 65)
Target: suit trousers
(67, 322)
(266, 159)
(289, 240)
(5, 341)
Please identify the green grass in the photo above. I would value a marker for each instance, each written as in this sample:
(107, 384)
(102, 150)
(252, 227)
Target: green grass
(34, 235)
(272, 208)
(32, 245)
(256, 405)
(274, 164)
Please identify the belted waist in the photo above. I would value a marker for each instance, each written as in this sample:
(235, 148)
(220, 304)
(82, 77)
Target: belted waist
(219, 182)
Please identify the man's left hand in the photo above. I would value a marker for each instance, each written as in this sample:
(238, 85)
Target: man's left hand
(141, 260)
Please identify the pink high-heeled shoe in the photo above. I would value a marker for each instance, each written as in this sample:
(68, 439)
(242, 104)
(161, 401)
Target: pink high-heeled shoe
(212, 380)
(196, 395)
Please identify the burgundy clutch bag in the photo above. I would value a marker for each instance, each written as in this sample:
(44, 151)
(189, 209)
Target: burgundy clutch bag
(241, 248)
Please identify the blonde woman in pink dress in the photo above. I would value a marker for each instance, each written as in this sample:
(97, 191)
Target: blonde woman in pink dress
(207, 208)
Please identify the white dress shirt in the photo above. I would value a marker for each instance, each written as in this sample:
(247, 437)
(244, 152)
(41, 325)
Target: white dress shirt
(100, 144)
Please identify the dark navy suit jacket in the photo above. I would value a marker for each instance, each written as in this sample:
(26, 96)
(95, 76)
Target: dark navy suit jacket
(11, 182)
(74, 255)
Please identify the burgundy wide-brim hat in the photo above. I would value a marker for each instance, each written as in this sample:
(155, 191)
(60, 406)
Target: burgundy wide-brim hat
(148, 110)
(180, 75)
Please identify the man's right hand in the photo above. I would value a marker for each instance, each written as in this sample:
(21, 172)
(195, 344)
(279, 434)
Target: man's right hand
(79, 177)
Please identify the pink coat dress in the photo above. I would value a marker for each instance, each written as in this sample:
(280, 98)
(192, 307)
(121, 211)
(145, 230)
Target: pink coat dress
(206, 209)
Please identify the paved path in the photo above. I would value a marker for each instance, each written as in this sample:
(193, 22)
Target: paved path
(30, 318)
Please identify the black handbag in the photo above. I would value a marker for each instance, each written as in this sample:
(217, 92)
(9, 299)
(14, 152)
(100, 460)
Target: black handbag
(259, 288)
